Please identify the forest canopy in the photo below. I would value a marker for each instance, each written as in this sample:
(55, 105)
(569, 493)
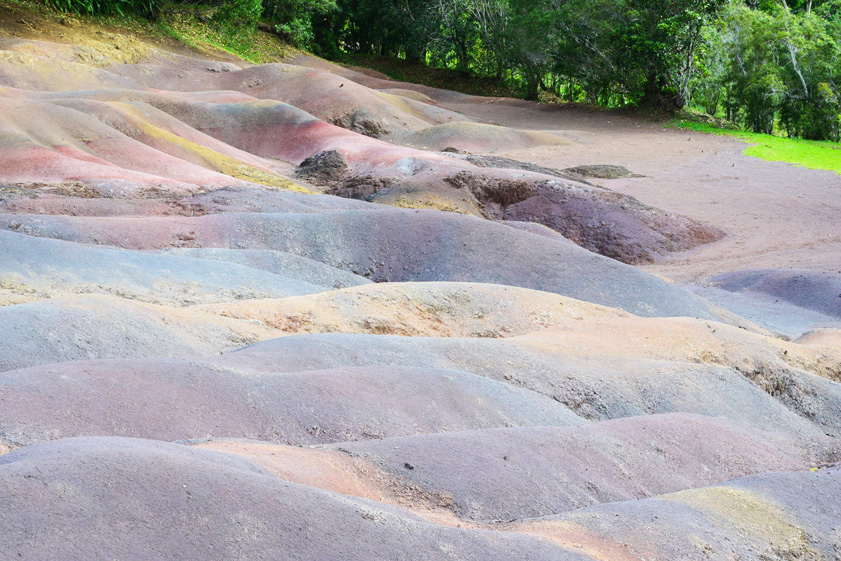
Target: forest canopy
(765, 65)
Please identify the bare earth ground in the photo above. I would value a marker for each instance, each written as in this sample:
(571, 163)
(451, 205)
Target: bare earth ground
(775, 215)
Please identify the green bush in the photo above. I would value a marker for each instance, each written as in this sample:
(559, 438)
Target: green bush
(293, 18)
(148, 8)
(239, 13)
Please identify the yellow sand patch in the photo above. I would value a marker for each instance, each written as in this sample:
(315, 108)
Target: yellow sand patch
(830, 338)
(417, 309)
(398, 102)
(430, 201)
(9, 298)
(410, 94)
(97, 48)
(750, 515)
(683, 340)
(88, 45)
(61, 75)
(5, 448)
(210, 158)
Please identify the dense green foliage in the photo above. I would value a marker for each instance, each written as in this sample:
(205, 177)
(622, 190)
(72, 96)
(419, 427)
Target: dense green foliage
(293, 19)
(149, 8)
(768, 65)
(608, 51)
(776, 67)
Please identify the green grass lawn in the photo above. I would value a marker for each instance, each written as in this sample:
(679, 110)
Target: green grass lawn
(807, 153)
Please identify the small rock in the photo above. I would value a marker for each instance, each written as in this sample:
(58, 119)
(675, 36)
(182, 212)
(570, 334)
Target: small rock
(324, 168)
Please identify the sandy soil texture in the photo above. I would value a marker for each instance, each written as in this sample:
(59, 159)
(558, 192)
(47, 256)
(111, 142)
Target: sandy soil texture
(300, 311)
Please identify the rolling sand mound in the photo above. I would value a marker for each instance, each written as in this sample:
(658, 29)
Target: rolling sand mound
(822, 338)
(789, 301)
(348, 104)
(76, 198)
(253, 259)
(47, 268)
(71, 144)
(576, 467)
(154, 488)
(394, 245)
(211, 125)
(814, 290)
(417, 309)
(279, 263)
(100, 326)
(596, 388)
(178, 400)
(338, 472)
(775, 516)
(477, 137)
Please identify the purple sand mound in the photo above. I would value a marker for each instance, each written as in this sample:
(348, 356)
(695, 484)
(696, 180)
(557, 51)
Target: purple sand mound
(280, 263)
(542, 471)
(114, 498)
(780, 399)
(395, 245)
(179, 400)
(787, 301)
(815, 290)
(140, 144)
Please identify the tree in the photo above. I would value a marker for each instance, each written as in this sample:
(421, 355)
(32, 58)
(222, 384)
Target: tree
(783, 66)
(643, 50)
(811, 72)
(457, 31)
(710, 73)
(531, 36)
(492, 17)
(293, 19)
(754, 83)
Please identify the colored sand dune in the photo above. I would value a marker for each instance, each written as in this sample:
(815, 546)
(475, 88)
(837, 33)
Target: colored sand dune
(298, 311)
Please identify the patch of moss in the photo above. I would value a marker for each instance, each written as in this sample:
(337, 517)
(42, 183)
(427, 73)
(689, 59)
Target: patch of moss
(810, 154)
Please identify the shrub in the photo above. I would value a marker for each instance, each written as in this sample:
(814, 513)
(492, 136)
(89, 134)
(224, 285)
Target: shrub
(239, 13)
(293, 18)
(148, 8)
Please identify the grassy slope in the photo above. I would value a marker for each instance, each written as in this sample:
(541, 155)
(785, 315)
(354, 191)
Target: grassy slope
(177, 31)
(807, 153)
(256, 47)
